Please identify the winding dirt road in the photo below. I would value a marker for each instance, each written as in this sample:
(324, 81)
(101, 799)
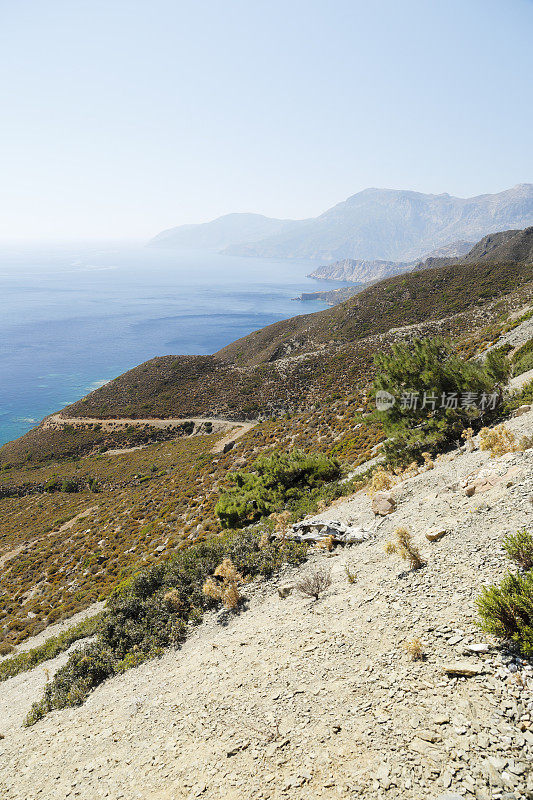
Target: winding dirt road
(218, 425)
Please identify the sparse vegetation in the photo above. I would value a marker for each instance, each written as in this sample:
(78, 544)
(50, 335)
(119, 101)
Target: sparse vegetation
(519, 548)
(161, 500)
(314, 582)
(351, 575)
(499, 440)
(404, 547)
(506, 611)
(152, 610)
(51, 648)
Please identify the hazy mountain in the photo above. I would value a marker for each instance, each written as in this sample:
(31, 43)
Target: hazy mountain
(375, 224)
(222, 232)
(396, 225)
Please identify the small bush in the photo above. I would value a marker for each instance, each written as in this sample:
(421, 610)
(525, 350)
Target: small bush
(519, 548)
(506, 611)
(314, 582)
(414, 649)
(6, 648)
(498, 440)
(85, 669)
(522, 360)
(224, 585)
(381, 481)
(404, 547)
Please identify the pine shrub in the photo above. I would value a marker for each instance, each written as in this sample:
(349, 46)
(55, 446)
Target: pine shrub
(276, 481)
(506, 611)
(428, 369)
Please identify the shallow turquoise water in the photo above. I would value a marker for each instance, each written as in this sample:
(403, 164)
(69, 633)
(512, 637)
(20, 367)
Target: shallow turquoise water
(78, 315)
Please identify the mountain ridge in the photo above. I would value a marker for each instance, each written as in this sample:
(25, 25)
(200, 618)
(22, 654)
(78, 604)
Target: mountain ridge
(384, 224)
(220, 232)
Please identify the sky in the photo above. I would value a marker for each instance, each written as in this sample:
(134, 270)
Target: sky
(120, 118)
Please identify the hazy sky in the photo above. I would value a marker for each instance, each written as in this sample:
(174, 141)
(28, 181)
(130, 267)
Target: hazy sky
(123, 117)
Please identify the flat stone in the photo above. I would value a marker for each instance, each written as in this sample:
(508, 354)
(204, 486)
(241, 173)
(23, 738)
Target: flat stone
(434, 534)
(482, 647)
(284, 591)
(462, 668)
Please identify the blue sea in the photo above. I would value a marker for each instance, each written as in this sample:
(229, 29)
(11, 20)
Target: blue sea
(75, 316)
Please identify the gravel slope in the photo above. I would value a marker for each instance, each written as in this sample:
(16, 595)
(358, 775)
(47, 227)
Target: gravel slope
(292, 698)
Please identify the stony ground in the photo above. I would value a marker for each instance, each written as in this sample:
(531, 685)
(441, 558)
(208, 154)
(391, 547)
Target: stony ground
(302, 699)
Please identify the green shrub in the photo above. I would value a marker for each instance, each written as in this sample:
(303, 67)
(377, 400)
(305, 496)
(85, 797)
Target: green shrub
(519, 548)
(85, 669)
(522, 360)
(275, 482)
(506, 611)
(51, 648)
(427, 368)
(523, 397)
(140, 620)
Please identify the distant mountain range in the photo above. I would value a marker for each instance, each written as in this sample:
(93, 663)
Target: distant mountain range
(375, 224)
(223, 232)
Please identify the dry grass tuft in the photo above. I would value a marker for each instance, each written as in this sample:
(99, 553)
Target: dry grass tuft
(405, 548)
(173, 600)
(225, 588)
(498, 440)
(327, 543)
(414, 649)
(381, 481)
(350, 574)
(428, 461)
(468, 436)
(526, 442)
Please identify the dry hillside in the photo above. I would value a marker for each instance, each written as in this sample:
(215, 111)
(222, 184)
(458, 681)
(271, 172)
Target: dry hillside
(303, 699)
